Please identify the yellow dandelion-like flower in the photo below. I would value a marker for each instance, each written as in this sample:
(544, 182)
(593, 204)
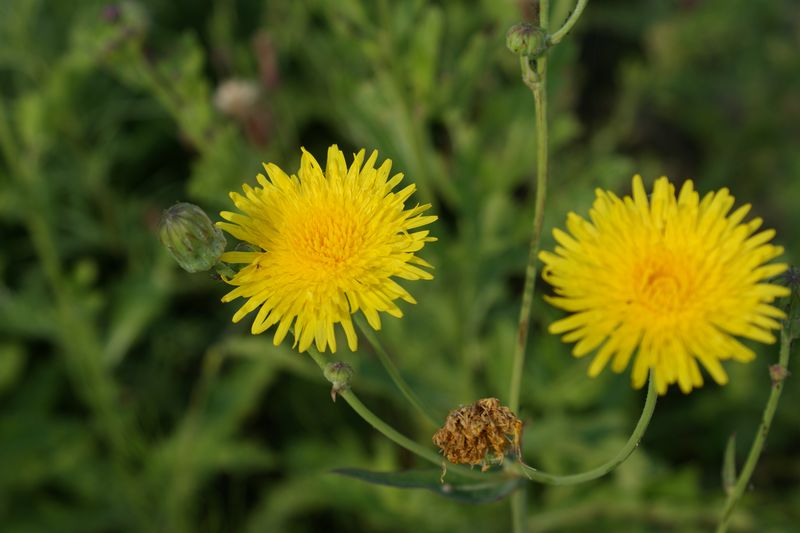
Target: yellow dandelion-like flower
(674, 279)
(330, 243)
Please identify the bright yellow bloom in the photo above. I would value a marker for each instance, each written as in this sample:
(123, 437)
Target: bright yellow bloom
(330, 244)
(674, 279)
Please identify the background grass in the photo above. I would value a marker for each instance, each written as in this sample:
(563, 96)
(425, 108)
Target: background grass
(131, 403)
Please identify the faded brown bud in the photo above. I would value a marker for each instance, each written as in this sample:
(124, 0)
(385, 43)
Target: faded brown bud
(777, 374)
(473, 431)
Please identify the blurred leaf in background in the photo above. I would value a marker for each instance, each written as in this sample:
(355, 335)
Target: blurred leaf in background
(131, 403)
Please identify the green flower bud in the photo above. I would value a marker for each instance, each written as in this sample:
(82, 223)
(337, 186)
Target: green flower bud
(191, 238)
(527, 40)
(339, 374)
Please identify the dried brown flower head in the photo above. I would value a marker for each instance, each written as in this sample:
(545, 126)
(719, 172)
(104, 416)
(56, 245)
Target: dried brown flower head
(472, 431)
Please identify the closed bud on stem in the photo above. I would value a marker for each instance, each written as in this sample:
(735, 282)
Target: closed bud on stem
(339, 374)
(525, 39)
(191, 238)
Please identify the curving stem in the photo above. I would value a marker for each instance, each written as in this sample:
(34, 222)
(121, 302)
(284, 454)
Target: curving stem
(611, 464)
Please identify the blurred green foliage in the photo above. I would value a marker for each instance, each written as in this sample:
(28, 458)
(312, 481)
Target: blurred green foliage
(131, 403)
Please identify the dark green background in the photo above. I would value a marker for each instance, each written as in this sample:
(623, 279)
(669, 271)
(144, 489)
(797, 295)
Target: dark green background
(129, 402)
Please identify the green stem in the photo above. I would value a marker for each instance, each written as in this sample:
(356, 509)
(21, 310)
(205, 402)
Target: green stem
(392, 434)
(536, 80)
(761, 434)
(394, 373)
(520, 469)
(605, 468)
(519, 511)
(573, 18)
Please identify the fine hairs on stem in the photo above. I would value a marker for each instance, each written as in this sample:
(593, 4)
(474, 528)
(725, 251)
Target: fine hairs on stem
(761, 433)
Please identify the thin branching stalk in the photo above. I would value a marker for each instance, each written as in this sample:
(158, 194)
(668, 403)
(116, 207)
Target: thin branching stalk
(395, 436)
(562, 32)
(394, 373)
(761, 433)
(519, 469)
(535, 77)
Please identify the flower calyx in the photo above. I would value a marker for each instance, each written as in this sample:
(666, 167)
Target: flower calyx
(526, 40)
(191, 238)
(339, 374)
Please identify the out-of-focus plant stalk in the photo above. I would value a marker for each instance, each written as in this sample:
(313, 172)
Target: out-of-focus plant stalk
(80, 340)
(762, 432)
(81, 343)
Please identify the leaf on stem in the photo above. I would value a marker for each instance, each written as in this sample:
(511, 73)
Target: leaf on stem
(729, 465)
(459, 488)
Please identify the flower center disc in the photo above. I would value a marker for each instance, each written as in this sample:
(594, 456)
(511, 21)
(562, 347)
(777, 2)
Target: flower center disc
(663, 284)
(662, 292)
(328, 240)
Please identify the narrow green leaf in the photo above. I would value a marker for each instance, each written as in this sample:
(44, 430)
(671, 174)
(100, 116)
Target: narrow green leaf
(454, 487)
(729, 465)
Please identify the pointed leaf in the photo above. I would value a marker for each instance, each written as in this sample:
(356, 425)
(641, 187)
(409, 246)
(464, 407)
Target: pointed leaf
(729, 465)
(455, 487)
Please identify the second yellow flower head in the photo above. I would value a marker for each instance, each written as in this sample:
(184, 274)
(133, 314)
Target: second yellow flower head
(673, 279)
